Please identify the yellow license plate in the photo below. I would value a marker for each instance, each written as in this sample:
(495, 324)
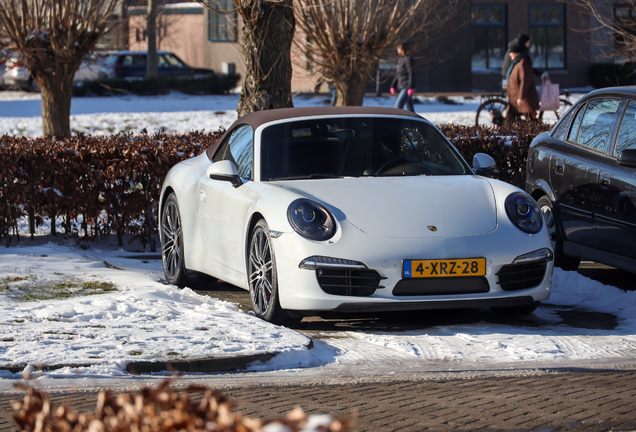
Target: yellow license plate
(445, 268)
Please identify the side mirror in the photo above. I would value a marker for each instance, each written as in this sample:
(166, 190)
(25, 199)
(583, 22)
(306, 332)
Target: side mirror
(483, 164)
(627, 158)
(224, 171)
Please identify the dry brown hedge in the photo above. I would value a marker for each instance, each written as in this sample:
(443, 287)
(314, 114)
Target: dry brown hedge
(112, 184)
(160, 409)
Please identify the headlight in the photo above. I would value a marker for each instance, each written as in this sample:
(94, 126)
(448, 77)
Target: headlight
(311, 220)
(524, 212)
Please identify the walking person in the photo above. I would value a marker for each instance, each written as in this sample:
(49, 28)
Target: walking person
(523, 40)
(522, 93)
(403, 81)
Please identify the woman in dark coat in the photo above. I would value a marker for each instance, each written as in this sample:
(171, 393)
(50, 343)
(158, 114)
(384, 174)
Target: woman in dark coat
(522, 92)
(403, 80)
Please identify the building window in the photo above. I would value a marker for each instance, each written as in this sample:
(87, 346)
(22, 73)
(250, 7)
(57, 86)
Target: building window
(221, 22)
(547, 35)
(488, 34)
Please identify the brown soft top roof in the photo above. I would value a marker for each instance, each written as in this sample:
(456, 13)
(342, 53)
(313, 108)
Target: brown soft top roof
(258, 118)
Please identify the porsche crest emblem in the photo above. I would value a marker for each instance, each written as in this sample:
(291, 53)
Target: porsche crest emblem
(432, 228)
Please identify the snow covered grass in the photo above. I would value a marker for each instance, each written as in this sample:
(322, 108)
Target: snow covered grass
(64, 306)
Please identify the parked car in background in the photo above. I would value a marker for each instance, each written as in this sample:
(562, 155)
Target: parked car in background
(16, 76)
(126, 64)
(352, 209)
(583, 175)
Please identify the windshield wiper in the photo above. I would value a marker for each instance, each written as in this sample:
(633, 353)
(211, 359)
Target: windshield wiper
(305, 177)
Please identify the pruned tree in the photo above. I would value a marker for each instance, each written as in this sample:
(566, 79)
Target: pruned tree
(266, 40)
(346, 39)
(614, 27)
(52, 37)
(152, 65)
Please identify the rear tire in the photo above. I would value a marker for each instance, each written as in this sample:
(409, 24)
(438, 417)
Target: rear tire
(172, 250)
(560, 259)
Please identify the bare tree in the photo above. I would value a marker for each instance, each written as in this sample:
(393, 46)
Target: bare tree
(52, 37)
(266, 40)
(152, 65)
(345, 39)
(613, 27)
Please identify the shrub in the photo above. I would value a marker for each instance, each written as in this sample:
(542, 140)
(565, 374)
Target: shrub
(159, 410)
(112, 184)
(508, 146)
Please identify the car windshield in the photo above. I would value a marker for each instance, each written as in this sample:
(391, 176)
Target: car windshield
(356, 147)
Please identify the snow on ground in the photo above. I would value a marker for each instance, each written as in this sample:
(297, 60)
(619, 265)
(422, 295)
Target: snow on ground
(146, 319)
(20, 112)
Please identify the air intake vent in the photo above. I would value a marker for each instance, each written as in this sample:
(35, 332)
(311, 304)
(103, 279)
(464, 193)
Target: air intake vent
(348, 282)
(516, 277)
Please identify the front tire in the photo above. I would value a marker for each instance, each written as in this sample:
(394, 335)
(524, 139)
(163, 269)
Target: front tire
(560, 259)
(172, 251)
(263, 279)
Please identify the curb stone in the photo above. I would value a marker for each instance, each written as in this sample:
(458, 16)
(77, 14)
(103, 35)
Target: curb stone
(218, 364)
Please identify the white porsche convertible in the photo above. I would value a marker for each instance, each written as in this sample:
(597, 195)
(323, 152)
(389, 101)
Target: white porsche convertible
(352, 209)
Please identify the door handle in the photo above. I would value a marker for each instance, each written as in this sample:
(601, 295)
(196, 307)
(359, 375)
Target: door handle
(560, 167)
(605, 181)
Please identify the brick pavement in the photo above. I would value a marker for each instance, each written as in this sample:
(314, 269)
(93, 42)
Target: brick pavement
(564, 401)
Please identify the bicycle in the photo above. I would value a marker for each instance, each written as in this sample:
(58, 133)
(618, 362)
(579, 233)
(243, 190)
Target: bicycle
(492, 112)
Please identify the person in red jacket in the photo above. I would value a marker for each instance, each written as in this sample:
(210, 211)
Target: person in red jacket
(403, 80)
(522, 92)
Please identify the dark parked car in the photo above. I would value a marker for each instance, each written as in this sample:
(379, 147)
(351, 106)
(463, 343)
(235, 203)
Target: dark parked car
(125, 64)
(583, 175)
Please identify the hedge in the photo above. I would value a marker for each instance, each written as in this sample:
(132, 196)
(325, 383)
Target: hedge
(212, 83)
(101, 186)
(110, 184)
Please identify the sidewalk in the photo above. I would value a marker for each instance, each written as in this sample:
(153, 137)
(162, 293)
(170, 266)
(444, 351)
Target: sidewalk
(557, 401)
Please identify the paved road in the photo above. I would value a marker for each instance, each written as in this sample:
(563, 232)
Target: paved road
(601, 400)
(573, 401)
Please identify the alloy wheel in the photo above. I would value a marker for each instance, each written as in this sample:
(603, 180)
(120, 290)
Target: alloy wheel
(260, 271)
(171, 230)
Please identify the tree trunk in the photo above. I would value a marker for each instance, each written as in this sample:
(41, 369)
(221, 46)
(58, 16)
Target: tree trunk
(152, 68)
(351, 92)
(268, 32)
(56, 105)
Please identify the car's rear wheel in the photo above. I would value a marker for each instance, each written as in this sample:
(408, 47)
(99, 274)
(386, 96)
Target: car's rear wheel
(560, 259)
(263, 279)
(172, 250)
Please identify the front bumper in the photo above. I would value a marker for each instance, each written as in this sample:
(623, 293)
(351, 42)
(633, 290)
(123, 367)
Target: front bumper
(300, 290)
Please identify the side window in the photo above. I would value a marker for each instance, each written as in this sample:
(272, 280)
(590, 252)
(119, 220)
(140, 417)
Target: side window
(560, 131)
(596, 123)
(627, 131)
(575, 125)
(127, 61)
(239, 148)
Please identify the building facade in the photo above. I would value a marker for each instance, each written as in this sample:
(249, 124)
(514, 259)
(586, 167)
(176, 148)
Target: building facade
(467, 58)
